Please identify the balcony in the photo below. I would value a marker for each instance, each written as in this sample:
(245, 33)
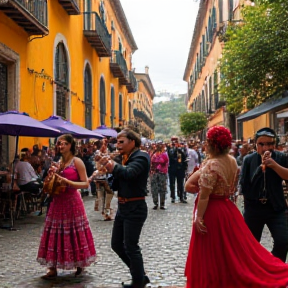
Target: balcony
(132, 85)
(30, 15)
(72, 7)
(97, 34)
(222, 32)
(118, 68)
(140, 114)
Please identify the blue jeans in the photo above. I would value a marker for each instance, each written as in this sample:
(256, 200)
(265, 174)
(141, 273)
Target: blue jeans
(256, 215)
(126, 232)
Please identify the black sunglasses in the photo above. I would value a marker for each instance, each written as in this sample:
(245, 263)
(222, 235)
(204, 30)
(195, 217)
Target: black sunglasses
(266, 143)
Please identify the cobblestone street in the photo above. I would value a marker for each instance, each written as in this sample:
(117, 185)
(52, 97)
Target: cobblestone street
(165, 239)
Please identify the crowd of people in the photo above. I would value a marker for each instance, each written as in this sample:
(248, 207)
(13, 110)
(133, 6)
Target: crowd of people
(223, 243)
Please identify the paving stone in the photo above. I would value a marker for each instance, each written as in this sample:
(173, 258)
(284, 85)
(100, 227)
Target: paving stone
(164, 241)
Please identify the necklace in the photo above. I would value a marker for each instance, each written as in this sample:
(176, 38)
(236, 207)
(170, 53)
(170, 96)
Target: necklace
(63, 164)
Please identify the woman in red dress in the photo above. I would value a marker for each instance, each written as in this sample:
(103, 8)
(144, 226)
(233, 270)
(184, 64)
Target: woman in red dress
(67, 241)
(223, 253)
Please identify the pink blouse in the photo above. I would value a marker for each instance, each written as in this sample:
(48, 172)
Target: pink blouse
(159, 163)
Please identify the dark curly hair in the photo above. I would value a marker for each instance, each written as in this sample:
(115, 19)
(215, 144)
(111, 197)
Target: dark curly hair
(219, 138)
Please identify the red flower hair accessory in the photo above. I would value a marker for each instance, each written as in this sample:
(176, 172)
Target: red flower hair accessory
(219, 137)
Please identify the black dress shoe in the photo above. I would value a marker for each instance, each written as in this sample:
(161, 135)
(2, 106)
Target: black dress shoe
(183, 201)
(146, 280)
(78, 272)
(163, 208)
(155, 207)
(173, 201)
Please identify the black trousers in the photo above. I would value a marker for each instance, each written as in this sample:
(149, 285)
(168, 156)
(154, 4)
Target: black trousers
(178, 175)
(32, 187)
(256, 215)
(126, 232)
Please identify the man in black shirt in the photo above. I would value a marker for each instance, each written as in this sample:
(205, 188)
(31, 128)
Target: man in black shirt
(261, 180)
(130, 180)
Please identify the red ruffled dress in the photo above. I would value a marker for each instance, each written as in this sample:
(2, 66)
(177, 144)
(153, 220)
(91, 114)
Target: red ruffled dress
(228, 256)
(67, 240)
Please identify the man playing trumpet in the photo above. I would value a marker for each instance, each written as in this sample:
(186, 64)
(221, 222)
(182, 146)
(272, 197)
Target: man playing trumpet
(261, 180)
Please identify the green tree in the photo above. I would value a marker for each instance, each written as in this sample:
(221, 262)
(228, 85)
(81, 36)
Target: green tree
(191, 122)
(254, 65)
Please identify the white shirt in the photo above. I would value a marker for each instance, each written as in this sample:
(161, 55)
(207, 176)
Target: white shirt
(25, 173)
(192, 160)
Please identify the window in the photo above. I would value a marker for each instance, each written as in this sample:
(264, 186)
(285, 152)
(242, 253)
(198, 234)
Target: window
(88, 97)
(120, 108)
(61, 80)
(112, 106)
(102, 102)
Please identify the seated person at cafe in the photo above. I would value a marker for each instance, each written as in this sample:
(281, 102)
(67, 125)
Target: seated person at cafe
(27, 178)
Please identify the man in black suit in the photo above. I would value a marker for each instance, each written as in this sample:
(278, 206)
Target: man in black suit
(177, 169)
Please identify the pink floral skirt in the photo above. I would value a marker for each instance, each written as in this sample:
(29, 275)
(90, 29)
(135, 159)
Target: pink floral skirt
(67, 240)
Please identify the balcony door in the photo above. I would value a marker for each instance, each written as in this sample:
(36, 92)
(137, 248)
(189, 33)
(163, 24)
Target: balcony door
(102, 102)
(88, 97)
(112, 106)
(120, 108)
(61, 80)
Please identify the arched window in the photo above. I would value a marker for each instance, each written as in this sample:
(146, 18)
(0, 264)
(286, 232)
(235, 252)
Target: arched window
(102, 102)
(112, 106)
(120, 108)
(61, 80)
(88, 97)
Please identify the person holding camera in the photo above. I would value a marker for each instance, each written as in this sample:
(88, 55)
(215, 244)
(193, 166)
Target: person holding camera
(177, 169)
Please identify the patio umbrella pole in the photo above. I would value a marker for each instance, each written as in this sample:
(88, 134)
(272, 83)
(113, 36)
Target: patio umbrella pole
(12, 212)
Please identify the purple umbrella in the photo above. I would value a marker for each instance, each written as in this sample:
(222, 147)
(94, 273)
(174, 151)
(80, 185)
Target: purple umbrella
(109, 132)
(68, 127)
(15, 123)
(18, 124)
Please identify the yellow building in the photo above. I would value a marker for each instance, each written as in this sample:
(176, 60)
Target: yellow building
(140, 106)
(67, 58)
(202, 72)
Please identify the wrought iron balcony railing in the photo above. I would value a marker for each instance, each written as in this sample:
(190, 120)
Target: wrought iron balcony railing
(30, 15)
(72, 7)
(132, 85)
(97, 34)
(118, 67)
(144, 117)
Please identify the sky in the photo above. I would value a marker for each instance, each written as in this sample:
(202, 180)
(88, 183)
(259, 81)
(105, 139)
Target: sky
(162, 30)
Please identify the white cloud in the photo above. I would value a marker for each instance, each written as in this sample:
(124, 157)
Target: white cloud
(162, 30)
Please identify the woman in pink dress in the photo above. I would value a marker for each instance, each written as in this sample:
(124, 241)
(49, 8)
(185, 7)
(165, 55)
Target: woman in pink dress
(67, 241)
(223, 253)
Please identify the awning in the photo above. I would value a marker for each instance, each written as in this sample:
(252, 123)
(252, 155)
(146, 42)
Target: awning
(263, 108)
